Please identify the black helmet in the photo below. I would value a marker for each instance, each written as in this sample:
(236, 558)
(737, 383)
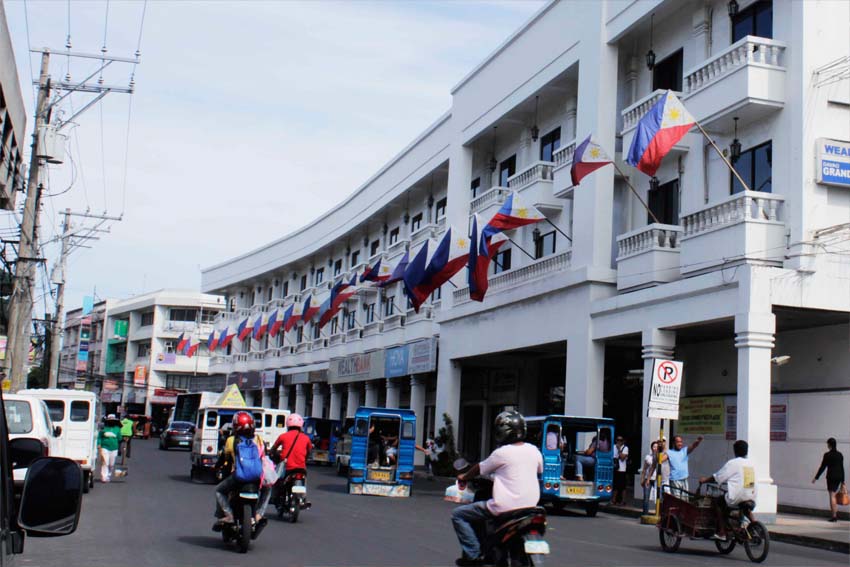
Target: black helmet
(509, 427)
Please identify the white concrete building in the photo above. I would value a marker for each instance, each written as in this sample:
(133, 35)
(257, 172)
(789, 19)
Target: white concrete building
(143, 370)
(84, 334)
(573, 318)
(13, 122)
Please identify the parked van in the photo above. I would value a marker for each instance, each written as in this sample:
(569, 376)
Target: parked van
(27, 416)
(74, 411)
(274, 424)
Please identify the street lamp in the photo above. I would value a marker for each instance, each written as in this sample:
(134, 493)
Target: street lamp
(732, 7)
(650, 55)
(535, 131)
(735, 146)
(653, 183)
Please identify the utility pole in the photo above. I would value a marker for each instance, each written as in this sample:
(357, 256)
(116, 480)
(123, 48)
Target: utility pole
(20, 305)
(56, 329)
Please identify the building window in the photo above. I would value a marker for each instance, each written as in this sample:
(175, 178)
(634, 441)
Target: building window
(664, 203)
(317, 332)
(143, 350)
(436, 295)
(756, 19)
(299, 334)
(754, 166)
(506, 170)
(183, 315)
(389, 305)
(169, 346)
(177, 381)
(393, 236)
(338, 267)
(303, 282)
(208, 316)
(502, 261)
(441, 208)
(545, 245)
(269, 294)
(416, 223)
(369, 309)
(475, 187)
(374, 247)
(667, 74)
(319, 277)
(351, 320)
(284, 290)
(334, 325)
(147, 319)
(549, 144)
(355, 258)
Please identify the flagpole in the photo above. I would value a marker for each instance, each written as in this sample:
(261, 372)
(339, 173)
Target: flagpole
(564, 234)
(725, 160)
(642, 202)
(520, 247)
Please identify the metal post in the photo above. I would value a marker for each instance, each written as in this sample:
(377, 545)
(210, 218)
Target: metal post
(58, 319)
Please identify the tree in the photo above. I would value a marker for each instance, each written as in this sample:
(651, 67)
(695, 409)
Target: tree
(446, 444)
(37, 377)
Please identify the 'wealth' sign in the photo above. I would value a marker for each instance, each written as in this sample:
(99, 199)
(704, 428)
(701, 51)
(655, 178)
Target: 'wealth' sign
(665, 389)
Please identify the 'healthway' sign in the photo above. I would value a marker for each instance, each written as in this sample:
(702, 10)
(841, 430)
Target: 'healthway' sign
(665, 389)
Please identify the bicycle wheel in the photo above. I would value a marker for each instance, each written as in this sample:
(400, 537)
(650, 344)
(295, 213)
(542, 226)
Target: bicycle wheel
(671, 535)
(758, 543)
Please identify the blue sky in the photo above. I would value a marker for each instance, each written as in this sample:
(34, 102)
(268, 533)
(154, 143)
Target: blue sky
(241, 110)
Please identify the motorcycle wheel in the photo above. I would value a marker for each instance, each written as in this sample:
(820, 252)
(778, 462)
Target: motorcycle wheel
(245, 535)
(591, 508)
(758, 544)
(671, 536)
(294, 509)
(339, 470)
(725, 547)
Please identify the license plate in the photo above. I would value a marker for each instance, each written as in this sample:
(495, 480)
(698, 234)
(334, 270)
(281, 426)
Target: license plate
(184, 442)
(320, 455)
(380, 475)
(299, 490)
(537, 547)
(576, 490)
(249, 495)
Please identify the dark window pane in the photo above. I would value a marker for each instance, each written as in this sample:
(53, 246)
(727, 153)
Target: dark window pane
(756, 19)
(474, 186)
(545, 245)
(506, 169)
(549, 144)
(441, 207)
(762, 168)
(56, 409)
(502, 261)
(744, 167)
(741, 28)
(664, 203)
(668, 73)
(764, 20)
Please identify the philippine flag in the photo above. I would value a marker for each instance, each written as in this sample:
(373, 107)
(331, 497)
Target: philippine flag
(181, 342)
(398, 272)
(311, 307)
(378, 273)
(481, 252)
(190, 352)
(274, 324)
(415, 273)
(212, 342)
(589, 156)
(657, 132)
(449, 257)
(259, 327)
(225, 338)
(294, 312)
(513, 214)
(243, 331)
(186, 346)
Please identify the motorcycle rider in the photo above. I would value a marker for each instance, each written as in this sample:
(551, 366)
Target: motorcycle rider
(514, 467)
(294, 447)
(243, 428)
(740, 478)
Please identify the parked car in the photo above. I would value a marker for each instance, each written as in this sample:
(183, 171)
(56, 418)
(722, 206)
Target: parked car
(27, 416)
(177, 434)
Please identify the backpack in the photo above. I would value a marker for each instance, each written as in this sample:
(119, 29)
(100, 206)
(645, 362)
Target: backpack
(249, 463)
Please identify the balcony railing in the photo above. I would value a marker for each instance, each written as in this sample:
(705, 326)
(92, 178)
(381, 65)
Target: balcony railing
(441, 223)
(394, 321)
(648, 256)
(337, 339)
(423, 233)
(397, 247)
(632, 114)
(372, 328)
(490, 197)
(563, 156)
(302, 347)
(352, 335)
(538, 171)
(647, 238)
(745, 51)
(522, 275)
(743, 206)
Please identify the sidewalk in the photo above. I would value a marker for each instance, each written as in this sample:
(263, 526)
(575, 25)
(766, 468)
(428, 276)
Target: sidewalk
(808, 531)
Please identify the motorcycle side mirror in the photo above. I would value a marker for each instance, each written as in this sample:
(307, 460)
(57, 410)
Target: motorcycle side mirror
(57, 431)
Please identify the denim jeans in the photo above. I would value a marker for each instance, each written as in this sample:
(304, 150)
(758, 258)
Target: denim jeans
(584, 461)
(468, 521)
(222, 494)
(647, 491)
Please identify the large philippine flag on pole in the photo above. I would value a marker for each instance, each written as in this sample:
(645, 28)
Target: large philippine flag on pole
(398, 272)
(588, 157)
(311, 307)
(243, 331)
(259, 327)
(378, 273)
(225, 337)
(658, 131)
(291, 316)
(481, 252)
(513, 214)
(415, 272)
(273, 324)
(450, 256)
(212, 341)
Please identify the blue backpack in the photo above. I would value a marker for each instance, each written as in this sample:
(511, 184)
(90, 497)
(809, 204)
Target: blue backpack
(249, 464)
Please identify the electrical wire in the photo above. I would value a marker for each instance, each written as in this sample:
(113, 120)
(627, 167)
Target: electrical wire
(102, 156)
(29, 56)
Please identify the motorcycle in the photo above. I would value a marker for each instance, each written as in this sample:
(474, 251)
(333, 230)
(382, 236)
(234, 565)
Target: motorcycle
(513, 538)
(291, 495)
(243, 501)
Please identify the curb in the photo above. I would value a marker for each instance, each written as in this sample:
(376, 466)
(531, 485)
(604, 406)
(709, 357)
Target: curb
(794, 539)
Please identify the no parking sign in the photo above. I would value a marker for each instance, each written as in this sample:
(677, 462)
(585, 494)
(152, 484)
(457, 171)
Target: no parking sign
(664, 390)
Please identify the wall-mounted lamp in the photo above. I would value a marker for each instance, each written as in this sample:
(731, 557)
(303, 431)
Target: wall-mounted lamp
(493, 163)
(735, 146)
(780, 360)
(732, 8)
(650, 55)
(535, 131)
(654, 183)
(535, 234)
(406, 217)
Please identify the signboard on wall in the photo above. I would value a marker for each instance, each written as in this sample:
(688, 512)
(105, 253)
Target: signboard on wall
(83, 353)
(701, 416)
(121, 327)
(250, 380)
(357, 367)
(778, 417)
(140, 375)
(664, 389)
(268, 379)
(833, 162)
(422, 356)
(396, 362)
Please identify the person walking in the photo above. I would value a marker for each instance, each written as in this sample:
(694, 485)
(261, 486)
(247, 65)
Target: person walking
(127, 426)
(678, 458)
(647, 474)
(621, 462)
(108, 441)
(833, 463)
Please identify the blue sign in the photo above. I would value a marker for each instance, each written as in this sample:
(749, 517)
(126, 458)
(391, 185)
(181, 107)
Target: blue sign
(833, 165)
(396, 362)
(835, 172)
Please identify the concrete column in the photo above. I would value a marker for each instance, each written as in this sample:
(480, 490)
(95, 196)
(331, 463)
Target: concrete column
(701, 23)
(300, 398)
(656, 344)
(585, 375)
(353, 400)
(283, 397)
(457, 204)
(417, 404)
(448, 392)
(318, 400)
(266, 400)
(371, 393)
(393, 392)
(570, 122)
(526, 155)
(754, 339)
(336, 402)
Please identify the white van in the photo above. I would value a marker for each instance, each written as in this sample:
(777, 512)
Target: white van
(205, 442)
(27, 416)
(274, 424)
(74, 411)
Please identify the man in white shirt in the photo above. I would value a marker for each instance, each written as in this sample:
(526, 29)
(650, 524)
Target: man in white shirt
(514, 467)
(739, 474)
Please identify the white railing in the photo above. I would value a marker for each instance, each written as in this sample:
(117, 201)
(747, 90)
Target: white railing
(241, 357)
(423, 233)
(425, 313)
(745, 51)
(647, 238)
(394, 321)
(372, 328)
(374, 259)
(292, 298)
(352, 335)
(441, 223)
(318, 344)
(397, 246)
(522, 275)
(302, 346)
(257, 355)
(632, 114)
(337, 339)
(564, 155)
(745, 206)
(357, 269)
(537, 171)
(489, 197)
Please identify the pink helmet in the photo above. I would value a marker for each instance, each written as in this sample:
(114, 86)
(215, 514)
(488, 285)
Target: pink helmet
(294, 420)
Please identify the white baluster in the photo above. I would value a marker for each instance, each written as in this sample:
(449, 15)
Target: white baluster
(773, 206)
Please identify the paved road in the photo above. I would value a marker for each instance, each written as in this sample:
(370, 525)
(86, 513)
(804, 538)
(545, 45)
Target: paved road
(159, 518)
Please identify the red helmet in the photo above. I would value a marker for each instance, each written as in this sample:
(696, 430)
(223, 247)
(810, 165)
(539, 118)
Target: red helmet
(243, 424)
